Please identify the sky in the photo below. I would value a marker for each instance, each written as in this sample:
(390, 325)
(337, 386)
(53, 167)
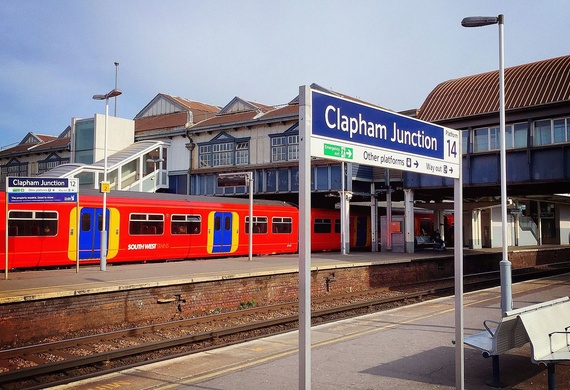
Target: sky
(55, 55)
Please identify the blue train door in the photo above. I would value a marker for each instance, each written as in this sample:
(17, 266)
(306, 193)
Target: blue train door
(91, 220)
(222, 232)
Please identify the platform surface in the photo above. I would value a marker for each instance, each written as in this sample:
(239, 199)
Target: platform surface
(405, 348)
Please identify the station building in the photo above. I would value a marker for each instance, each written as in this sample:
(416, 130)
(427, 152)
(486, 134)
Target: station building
(181, 146)
(537, 114)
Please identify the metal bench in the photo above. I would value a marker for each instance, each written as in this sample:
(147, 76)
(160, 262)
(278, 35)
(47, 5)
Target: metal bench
(508, 333)
(548, 330)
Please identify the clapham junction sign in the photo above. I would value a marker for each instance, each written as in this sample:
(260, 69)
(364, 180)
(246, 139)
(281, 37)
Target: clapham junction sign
(355, 132)
(335, 128)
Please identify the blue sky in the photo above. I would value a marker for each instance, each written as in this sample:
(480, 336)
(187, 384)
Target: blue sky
(55, 55)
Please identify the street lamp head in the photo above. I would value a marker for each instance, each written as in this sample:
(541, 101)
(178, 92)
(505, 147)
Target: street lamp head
(113, 93)
(479, 21)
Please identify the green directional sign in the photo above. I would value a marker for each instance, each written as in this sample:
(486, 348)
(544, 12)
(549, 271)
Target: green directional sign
(338, 151)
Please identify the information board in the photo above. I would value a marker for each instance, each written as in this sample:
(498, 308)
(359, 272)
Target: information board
(39, 189)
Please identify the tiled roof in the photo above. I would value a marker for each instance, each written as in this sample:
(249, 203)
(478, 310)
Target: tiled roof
(528, 85)
(52, 143)
(166, 121)
(227, 119)
(200, 111)
(192, 105)
(287, 110)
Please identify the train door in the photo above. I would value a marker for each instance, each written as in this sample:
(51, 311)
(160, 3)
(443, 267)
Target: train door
(91, 220)
(222, 232)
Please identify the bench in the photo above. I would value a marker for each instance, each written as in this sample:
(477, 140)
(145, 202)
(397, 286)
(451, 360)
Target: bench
(506, 334)
(548, 330)
(422, 242)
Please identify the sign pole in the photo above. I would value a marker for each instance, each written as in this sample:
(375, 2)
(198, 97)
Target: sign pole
(305, 127)
(77, 225)
(458, 251)
(6, 236)
(250, 180)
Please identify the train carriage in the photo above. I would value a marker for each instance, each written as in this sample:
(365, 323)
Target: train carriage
(153, 227)
(145, 227)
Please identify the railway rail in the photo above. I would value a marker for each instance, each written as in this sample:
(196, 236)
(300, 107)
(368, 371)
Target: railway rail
(59, 362)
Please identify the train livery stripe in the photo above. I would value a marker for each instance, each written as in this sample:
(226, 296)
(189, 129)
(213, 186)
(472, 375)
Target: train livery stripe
(235, 232)
(72, 238)
(113, 234)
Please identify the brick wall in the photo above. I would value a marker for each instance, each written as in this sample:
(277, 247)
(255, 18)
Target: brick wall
(37, 320)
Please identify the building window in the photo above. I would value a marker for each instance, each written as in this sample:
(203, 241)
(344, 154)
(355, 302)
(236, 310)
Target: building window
(242, 153)
(15, 168)
(222, 154)
(285, 146)
(51, 162)
(489, 138)
(520, 135)
(224, 150)
(551, 131)
(205, 156)
(481, 140)
(278, 149)
(542, 133)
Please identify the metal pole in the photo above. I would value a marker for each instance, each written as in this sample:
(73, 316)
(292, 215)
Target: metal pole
(6, 235)
(505, 264)
(116, 84)
(103, 264)
(458, 251)
(342, 212)
(305, 129)
(77, 215)
(250, 179)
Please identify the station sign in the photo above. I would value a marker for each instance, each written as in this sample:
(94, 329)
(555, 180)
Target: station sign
(41, 189)
(231, 181)
(356, 132)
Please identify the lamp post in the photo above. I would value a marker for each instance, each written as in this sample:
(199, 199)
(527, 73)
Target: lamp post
(105, 186)
(505, 264)
(116, 83)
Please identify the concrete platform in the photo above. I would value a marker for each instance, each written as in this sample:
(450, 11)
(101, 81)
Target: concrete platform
(405, 348)
(22, 286)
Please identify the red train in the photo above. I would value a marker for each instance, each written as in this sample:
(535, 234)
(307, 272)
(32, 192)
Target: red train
(149, 227)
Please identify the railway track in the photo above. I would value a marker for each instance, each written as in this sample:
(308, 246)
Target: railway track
(59, 362)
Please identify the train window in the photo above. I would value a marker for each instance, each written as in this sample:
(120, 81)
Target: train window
(185, 224)
(337, 226)
(322, 225)
(282, 224)
(259, 225)
(85, 222)
(32, 223)
(146, 224)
